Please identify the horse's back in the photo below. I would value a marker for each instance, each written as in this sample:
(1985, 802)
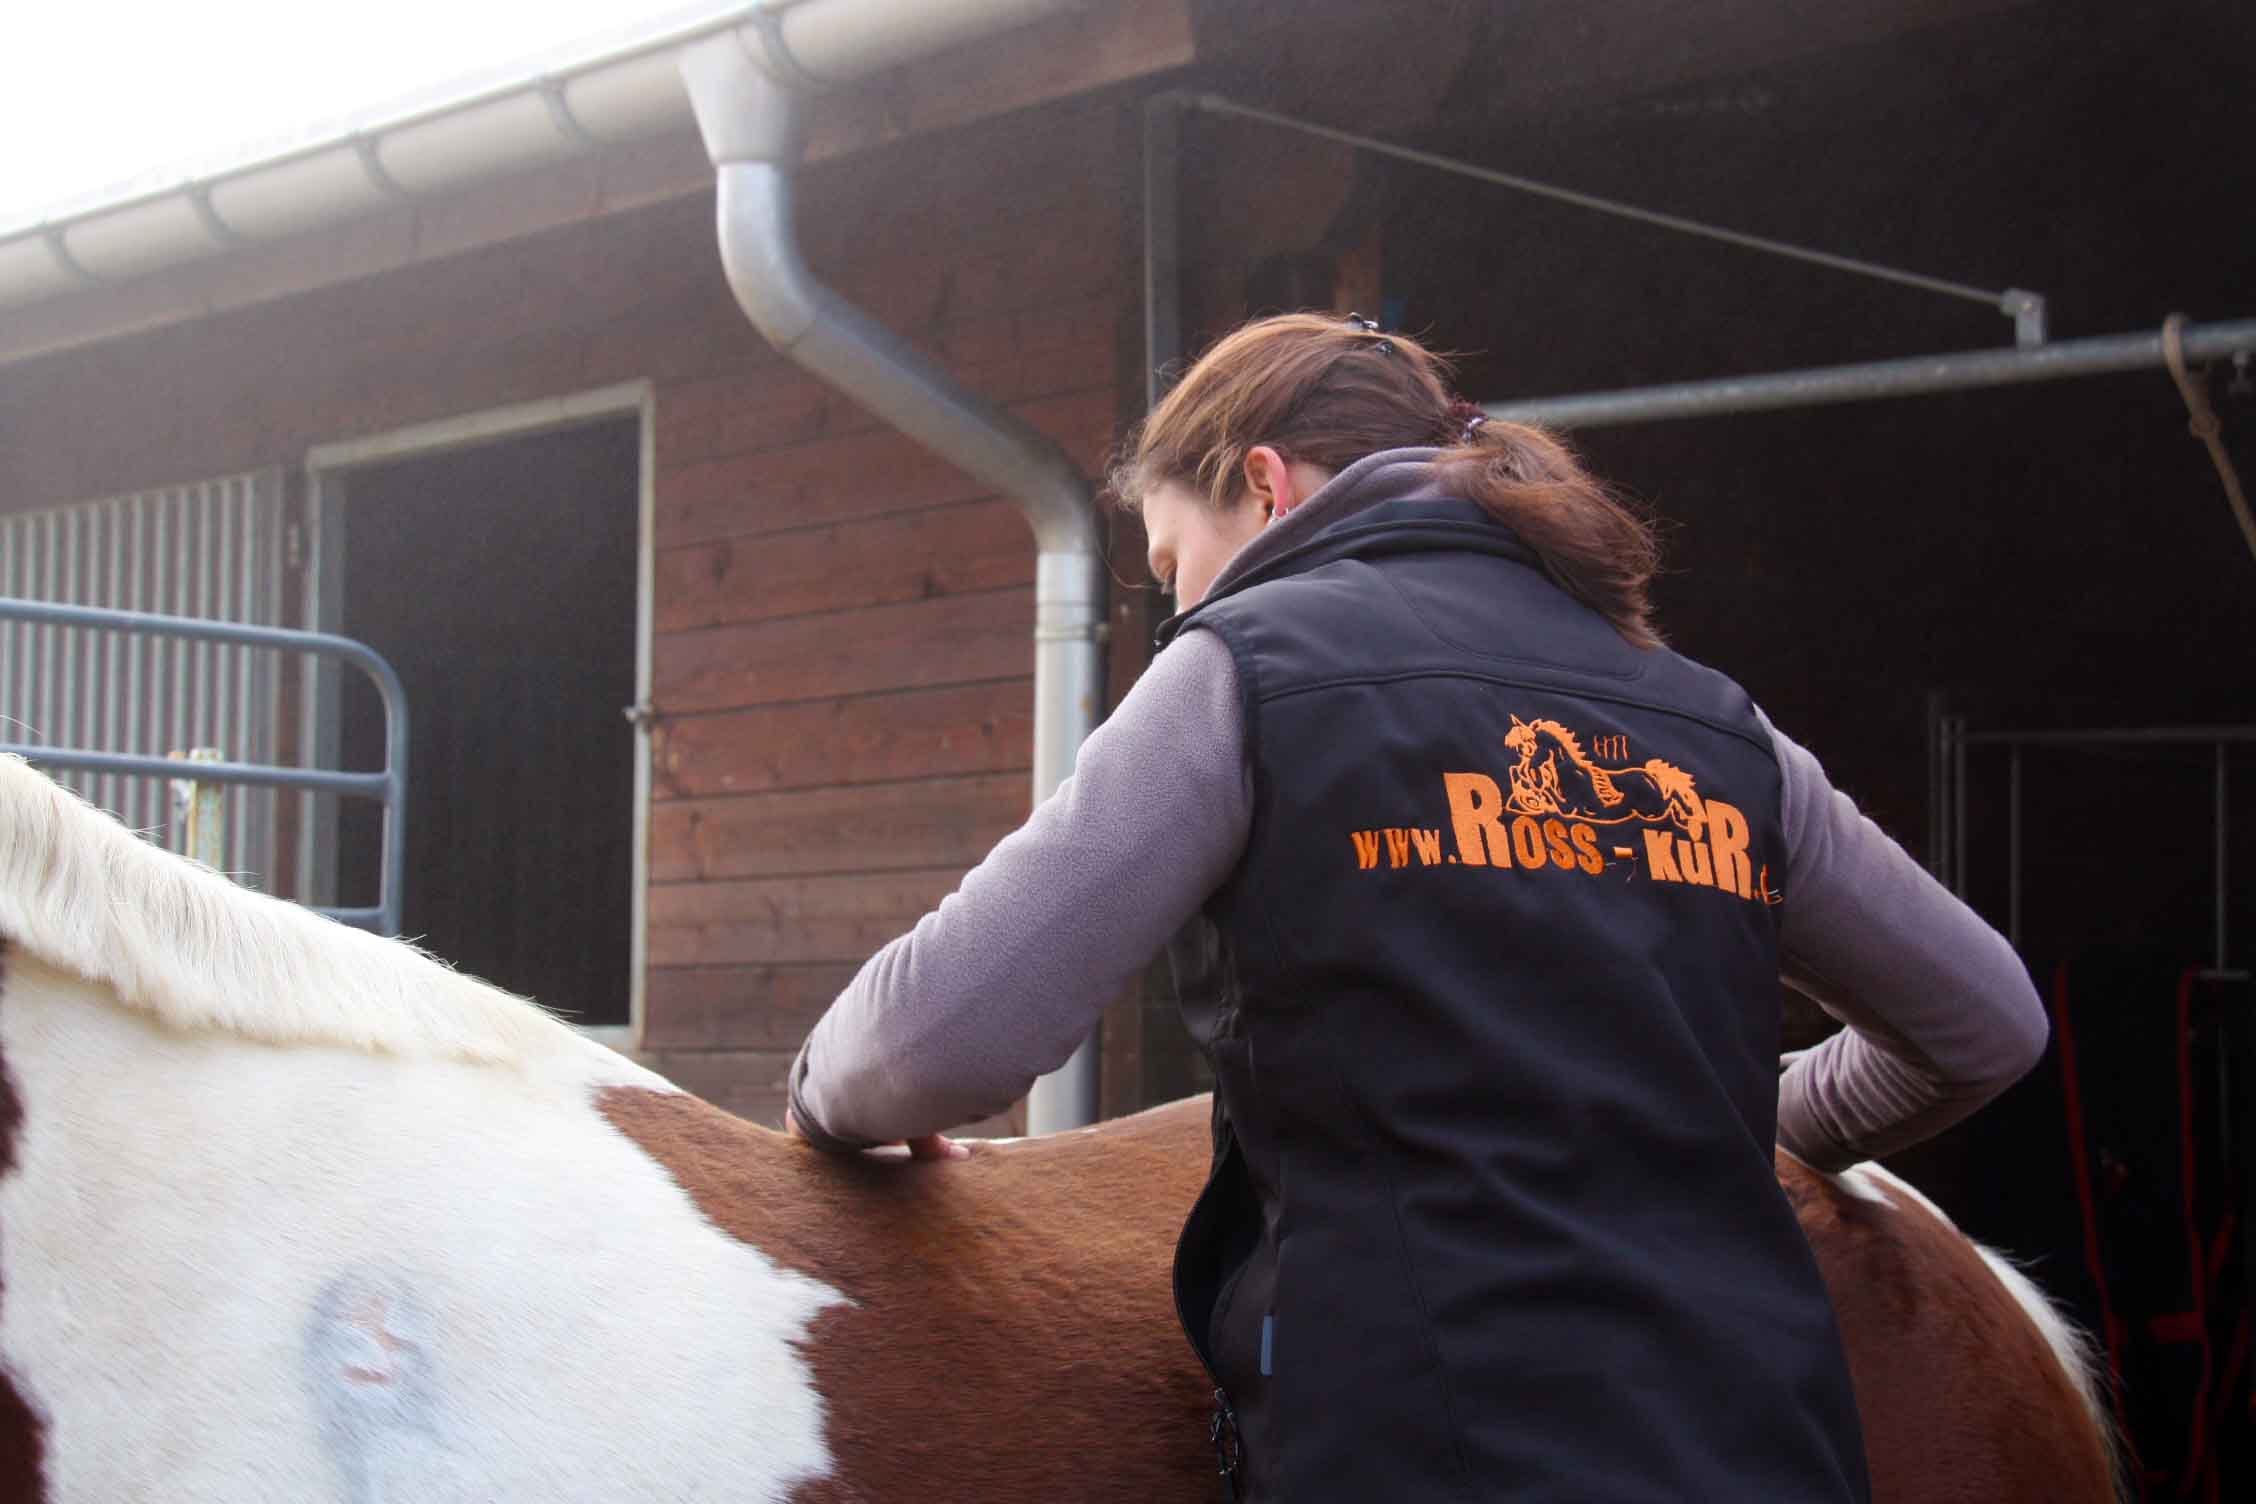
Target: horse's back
(1970, 1387)
(1008, 1324)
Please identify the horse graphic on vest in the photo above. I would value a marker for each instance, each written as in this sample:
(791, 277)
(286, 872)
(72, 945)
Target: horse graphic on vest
(1554, 776)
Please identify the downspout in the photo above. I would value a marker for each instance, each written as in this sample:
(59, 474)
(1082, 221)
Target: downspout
(749, 96)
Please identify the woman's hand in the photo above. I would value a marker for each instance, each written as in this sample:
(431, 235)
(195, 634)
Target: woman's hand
(931, 1146)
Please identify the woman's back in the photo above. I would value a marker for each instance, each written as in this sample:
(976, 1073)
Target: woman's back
(1494, 1022)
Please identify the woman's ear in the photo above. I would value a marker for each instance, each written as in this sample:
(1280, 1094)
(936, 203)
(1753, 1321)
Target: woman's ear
(1269, 479)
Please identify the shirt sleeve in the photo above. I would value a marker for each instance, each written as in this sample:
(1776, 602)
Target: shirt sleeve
(954, 1020)
(1941, 1014)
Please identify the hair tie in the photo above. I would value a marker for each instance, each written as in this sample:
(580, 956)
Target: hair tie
(1371, 326)
(1465, 419)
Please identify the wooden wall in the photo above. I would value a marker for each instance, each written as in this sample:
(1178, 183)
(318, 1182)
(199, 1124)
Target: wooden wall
(843, 653)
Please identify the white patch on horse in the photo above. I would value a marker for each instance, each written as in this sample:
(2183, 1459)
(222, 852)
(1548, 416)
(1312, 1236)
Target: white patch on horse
(239, 1271)
(1862, 1183)
(2077, 1352)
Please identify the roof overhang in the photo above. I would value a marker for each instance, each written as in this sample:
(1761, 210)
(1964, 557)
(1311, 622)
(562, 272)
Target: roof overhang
(576, 140)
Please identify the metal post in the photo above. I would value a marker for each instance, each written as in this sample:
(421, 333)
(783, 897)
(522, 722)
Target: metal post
(2220, 815)
(203, 825)
(1935, 789)
(1958, 805)
(1163, 248)
(2013, 846)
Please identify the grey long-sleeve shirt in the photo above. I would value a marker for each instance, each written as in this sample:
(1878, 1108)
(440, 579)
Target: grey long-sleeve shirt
(954, 1020)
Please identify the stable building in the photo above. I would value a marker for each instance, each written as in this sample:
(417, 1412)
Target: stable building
(717, 680)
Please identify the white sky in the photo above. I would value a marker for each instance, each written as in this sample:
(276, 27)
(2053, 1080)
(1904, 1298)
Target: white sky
(98, 93)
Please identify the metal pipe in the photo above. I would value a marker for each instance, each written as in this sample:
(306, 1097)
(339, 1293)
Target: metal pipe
(2025, 308)
(2013, 848)
(2220, 837)
(745, 92)
(389, 786)
(1163, 264)
(2152, 736)
(1958, 805)
(1912, 377)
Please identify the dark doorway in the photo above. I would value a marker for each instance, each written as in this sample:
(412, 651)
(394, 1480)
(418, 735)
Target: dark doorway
(500, 581)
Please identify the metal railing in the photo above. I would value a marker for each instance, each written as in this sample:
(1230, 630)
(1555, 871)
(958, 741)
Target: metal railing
(388, 787)
(1946, 819)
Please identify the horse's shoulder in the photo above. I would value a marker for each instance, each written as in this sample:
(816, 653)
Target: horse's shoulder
(984, 1287)
(1925, 1306)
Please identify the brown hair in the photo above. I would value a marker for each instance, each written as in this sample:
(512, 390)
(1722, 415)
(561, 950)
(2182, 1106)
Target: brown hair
(1326, 392)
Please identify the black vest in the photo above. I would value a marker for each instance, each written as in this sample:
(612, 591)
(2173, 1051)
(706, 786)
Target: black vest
(1492, 1006)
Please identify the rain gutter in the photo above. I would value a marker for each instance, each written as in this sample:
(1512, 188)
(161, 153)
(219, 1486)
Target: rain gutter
(749, 88)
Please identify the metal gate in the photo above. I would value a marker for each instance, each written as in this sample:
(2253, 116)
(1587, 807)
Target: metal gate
(212, 550)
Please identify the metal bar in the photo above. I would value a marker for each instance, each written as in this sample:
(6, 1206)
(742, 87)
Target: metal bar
(390, 785)
(2220, 836)
(1958, 804)
(44, 689)
(256, 775)
(1935, 784)
(62, 584)
(1998, 299)
(2129, 736)
(2013, 848)
(205, 831)
(1911, 377)
(136, 663)
(1945, 844)
(113, 646)
(1163, 268)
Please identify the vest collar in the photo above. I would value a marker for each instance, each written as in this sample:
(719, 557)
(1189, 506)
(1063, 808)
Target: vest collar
(1418, 524)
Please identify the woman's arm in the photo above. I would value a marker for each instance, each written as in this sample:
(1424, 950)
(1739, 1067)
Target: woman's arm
(1940, 1012)
(954, 1020)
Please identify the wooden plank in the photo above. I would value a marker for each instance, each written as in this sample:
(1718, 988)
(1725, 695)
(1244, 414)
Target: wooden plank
(738, 1007)
(973, 728)
(898, 826)
(983, 545)
(779, 920)
(858, 475)
(1081, 50)
(749, 1083)
(950, 639)
(1013, 355)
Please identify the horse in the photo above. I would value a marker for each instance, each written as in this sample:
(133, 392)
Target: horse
(289, 1212)
(1554, 776)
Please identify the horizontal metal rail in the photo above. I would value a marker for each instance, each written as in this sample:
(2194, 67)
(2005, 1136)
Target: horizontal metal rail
(388, 787)
(1915, 376)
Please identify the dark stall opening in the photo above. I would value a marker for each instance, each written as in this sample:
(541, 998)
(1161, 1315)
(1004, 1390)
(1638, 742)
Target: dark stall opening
(500, 581)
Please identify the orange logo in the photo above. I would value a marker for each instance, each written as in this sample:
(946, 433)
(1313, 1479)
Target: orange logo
(1554, 776)
(1560, 796)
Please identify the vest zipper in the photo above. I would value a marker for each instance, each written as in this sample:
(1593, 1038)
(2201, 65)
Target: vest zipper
(1222, 1427)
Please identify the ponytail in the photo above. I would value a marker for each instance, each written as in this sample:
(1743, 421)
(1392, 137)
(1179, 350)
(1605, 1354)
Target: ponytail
(1593, 545)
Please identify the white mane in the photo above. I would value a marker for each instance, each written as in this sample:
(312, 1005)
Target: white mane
(178, 941)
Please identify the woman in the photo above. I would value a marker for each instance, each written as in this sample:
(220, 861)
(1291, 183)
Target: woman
(1478, 899)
